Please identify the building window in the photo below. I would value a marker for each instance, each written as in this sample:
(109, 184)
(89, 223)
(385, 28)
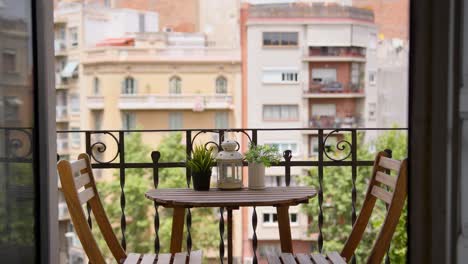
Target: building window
(141, 22)
(372, 78)
(75, 103)
(280, 76)
(278, 39)
(319, 110)
(75, 137)
(9, 61)
(272, 218)
(73, 33)
(280, 112)
(129, 86)
(324, 75)
(355, 73)
(11, 104)
(314, 146)
(175, 85)
(175, 120)
(284, 146)
(96, 86)
(107, 3)
(128, 121)
(97, 118)
(372, 111)
(221, 120)
(221, 85)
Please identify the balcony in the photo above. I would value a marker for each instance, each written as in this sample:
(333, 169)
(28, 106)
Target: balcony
(195, 102)
(61, 113)
(60, 47)
(334, 122)
(113, 155)
(334, 90)
(95, 102)
(335, 54)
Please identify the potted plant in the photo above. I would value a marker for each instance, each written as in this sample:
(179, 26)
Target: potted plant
(259, 157)
(200, 164)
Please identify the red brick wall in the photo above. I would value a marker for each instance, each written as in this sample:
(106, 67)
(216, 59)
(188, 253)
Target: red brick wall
(391, 16)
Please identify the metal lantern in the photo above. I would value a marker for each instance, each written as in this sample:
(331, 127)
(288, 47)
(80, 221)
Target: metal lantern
(229, 162)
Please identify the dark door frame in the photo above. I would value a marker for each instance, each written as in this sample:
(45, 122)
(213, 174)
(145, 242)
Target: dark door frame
(434, 131)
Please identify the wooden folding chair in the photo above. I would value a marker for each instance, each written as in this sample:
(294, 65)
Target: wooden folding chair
(82, 189)
(394, 199)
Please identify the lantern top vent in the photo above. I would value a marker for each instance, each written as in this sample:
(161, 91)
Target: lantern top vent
(229, 151)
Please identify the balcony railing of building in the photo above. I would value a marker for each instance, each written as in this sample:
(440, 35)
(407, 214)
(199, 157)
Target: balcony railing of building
(333, 121)
(60, 47)
(335, 88)
(347, 156)
(116, 54)
(196, 102)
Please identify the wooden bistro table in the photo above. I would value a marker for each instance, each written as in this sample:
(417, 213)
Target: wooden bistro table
(279, 197)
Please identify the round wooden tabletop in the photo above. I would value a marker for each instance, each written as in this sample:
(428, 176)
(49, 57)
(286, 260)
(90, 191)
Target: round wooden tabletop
(271, 196)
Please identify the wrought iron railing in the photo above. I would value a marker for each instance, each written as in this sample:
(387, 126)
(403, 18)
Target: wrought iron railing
(348, 148)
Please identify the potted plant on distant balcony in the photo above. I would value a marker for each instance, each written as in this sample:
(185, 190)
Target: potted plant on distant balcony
(259, 157)
(200, 164)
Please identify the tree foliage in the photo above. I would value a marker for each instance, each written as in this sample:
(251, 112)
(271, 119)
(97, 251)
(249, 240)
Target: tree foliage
(140, 211)
(337, 207)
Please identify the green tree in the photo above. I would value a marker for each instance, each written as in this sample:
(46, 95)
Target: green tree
(337, 186)
(139, 211)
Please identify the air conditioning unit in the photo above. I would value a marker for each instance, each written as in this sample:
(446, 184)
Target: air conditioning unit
(167, 29)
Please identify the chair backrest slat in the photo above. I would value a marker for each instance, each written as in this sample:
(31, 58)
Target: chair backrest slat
(86, 195)
(382, 194)
(386, 179)
(395, 199)
(71, 186)
(82, 180)
(389, 164)
(77, 166)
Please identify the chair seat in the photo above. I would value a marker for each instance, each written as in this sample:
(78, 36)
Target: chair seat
(288, 258)
(178, 258)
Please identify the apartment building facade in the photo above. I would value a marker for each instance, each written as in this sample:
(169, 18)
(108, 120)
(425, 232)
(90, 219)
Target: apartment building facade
(162, 81)
(306, 65)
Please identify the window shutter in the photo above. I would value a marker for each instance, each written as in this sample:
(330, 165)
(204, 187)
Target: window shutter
(122, 86)
(135, 86)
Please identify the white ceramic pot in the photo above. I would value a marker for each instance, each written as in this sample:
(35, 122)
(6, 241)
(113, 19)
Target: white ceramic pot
(256, 176)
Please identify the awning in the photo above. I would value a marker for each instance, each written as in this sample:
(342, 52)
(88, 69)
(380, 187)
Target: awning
(69, 69)
(116, 42)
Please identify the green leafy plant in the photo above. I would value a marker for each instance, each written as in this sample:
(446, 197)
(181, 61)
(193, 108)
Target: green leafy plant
(264, 154)
(201, 161)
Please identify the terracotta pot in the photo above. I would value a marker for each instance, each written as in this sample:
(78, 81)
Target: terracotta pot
(201, 181)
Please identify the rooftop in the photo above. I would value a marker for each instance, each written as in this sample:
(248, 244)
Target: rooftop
(312, 10)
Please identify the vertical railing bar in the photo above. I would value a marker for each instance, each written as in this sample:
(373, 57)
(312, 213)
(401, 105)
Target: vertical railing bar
(88, 151)
(254, 137)
(221, 234)
(287, 155)
(229, 235)
(155, 156)
(188, 218)
(254, 237)
(353, 178)
(123, 220)
(320, 190)
(188, 152)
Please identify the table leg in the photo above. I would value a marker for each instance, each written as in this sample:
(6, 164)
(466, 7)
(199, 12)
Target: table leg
(177, 229)
(229, 211)
(284, 229)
